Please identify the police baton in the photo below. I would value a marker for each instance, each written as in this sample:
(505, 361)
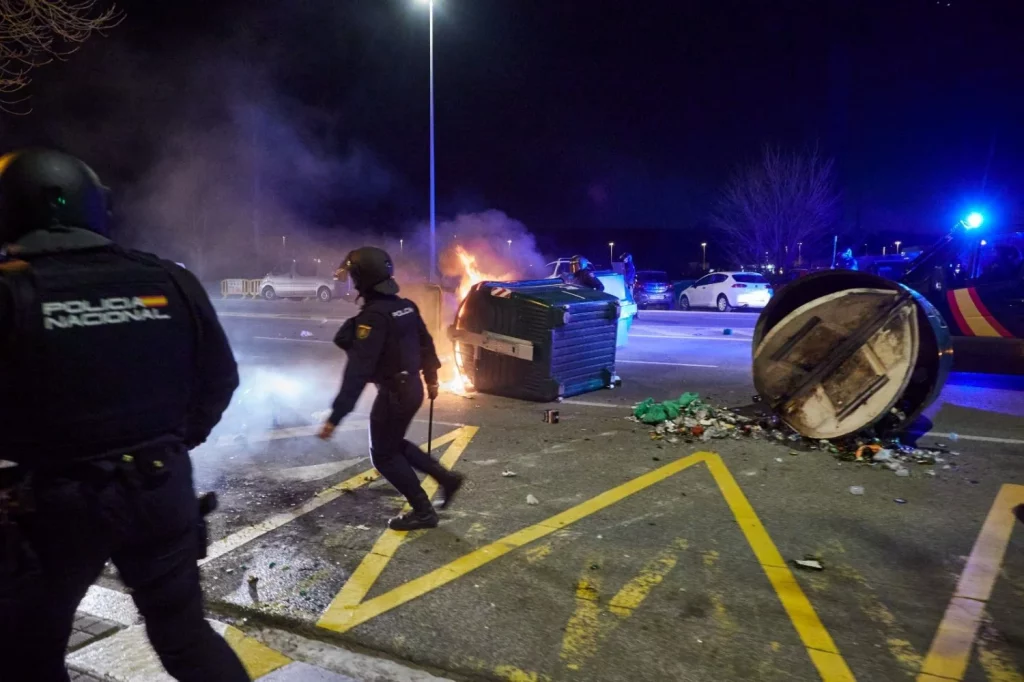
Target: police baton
(430, 429)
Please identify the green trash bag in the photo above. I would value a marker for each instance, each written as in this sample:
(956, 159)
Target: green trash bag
(650, 412)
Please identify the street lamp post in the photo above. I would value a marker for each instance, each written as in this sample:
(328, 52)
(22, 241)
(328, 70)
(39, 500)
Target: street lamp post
(401, 246)
(432, 272)
(898, 242)
(800, 253)
(509, 247)
(703, 256)
(611, 252)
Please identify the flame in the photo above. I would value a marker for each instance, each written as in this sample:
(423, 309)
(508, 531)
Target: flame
(471, 274)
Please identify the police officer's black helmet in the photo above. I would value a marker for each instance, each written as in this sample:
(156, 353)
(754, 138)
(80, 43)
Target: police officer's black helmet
(44, 188)
(371, 269)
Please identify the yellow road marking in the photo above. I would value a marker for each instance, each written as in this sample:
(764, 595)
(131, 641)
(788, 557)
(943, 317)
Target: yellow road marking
(636, 590)
(374, 563)
(580, 640)
(820, 647)
(246, 535)
(997, 663)
(345, 620)
(513, 674)
(951, 649)
(823, 652)
(586, 630)
(258, 659)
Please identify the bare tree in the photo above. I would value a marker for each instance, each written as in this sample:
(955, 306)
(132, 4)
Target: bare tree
(772, 205)
(36, 32)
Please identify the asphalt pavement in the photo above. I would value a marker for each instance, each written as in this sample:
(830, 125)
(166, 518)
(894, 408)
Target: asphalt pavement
(586, 550)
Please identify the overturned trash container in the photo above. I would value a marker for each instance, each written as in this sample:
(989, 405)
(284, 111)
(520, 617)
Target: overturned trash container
(536, 340)
(838, 351)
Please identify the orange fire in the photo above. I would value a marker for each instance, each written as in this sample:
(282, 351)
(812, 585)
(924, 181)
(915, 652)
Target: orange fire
(471, 274)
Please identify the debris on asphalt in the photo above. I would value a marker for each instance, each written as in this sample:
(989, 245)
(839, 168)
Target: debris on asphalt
(689, 419)
(778, 459)
(530, 499)
(809, 564)
(856, 490)
(727, 332)
(550, 416)
(306, 334)
(508, 473)
(363, 526)
(900, 500)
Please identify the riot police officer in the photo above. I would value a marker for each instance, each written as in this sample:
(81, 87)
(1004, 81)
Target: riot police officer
(583, 273)
(388, 344)
(112, 366)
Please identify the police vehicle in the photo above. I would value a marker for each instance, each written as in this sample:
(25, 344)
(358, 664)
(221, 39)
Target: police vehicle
(974, 277)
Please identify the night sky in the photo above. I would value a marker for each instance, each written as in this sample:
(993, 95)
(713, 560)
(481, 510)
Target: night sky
(566, 114)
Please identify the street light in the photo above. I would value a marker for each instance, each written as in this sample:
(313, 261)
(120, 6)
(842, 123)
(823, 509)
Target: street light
(401, 246)
(800, 253)
(433, 213)
(611, 256)
(898, 242)
(510, 247)
(703, 255)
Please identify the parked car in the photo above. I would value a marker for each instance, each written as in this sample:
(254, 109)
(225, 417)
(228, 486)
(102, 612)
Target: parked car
(652, 288)
(296, 281)
(727, 290)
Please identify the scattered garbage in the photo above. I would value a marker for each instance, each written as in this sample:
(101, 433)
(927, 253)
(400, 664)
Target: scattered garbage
(809, 564)
(305, 334)
(550, 416)
(363, 526)
(508, 473)
(856, 490)
(530, 499)
(690, 419)
(900, 500)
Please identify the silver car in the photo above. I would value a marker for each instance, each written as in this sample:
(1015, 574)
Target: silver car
(297, 281)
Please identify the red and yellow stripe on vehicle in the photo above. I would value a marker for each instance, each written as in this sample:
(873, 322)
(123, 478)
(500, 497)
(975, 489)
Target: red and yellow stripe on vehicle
(971, 315)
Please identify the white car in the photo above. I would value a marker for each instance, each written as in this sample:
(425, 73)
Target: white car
(297, 281)
(727, 290)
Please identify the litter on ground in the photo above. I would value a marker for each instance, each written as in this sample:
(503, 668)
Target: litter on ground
(689, 419)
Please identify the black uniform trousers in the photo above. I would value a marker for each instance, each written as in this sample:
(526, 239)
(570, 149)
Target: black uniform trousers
(394, 456)
(150, 529)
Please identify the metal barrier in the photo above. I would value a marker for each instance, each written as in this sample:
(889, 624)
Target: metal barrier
(246, 288)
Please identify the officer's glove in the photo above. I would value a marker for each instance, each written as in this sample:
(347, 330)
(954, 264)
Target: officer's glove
(432, 391)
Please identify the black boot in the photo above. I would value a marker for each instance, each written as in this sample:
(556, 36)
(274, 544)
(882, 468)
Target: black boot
(451, 485)
(415, 520)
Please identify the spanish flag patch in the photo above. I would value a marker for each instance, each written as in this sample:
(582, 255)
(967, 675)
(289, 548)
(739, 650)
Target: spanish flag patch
(362, 331)
(153, 301)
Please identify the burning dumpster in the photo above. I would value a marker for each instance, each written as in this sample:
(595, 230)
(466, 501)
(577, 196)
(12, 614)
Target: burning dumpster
(838, 351)
(536, 340)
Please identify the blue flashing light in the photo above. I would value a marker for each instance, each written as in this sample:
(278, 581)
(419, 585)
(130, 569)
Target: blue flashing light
(974, 220)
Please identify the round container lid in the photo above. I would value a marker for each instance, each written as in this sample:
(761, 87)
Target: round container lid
(840, 362)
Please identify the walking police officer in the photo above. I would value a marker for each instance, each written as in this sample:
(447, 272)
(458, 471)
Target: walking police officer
(389, 345)
(112, 366)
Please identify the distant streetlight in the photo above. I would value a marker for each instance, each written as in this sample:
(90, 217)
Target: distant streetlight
(611, 257)
(433, 205)
(401, 246)
(703, 255)
(284, 246)
(883, 250)
(800, 253)
(510, 247)
(898, 242)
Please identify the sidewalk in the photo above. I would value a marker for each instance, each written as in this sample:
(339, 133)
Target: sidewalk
(109, 644)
